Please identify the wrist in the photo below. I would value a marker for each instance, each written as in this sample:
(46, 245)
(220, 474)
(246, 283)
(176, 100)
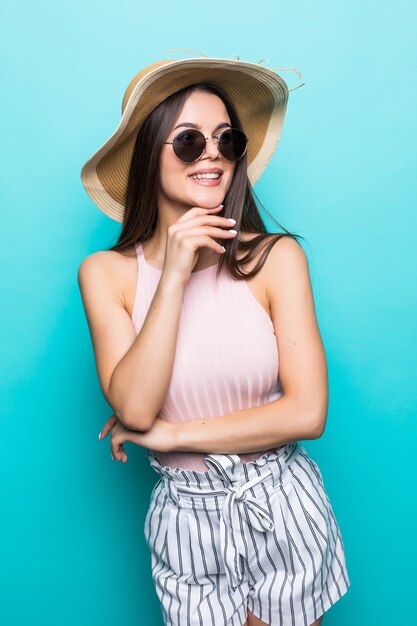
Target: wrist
(134, 436)
(171, 284)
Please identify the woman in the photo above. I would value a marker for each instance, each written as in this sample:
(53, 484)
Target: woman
(186, 335)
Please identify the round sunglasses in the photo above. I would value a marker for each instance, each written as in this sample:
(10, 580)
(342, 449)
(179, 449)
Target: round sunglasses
(189, 145)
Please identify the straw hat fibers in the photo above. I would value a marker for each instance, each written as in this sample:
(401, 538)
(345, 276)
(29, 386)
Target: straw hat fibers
(258, 93)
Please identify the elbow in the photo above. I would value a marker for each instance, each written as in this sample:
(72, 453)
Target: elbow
(131, 418)
(318, 430)
(134, 421)
(315, 425)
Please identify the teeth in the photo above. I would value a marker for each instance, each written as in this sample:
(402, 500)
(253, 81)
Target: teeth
(205, 176)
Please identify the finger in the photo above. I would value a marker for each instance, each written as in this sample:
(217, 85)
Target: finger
(112, 421)
(205, 220)
(211, 231)
(123, 455)
(206, 241)
(118, 452)
(113, 452)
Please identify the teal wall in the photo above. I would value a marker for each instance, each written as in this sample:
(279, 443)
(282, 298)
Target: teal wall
(72, 550)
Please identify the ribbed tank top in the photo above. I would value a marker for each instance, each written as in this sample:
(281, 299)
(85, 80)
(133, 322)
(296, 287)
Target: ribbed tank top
(226, 355)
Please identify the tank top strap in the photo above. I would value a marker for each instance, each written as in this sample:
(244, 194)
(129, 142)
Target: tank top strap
(142, 272)
(140, 257)
(145, 287)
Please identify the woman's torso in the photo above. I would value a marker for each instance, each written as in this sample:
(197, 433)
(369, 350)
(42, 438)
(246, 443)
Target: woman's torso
(237, 367)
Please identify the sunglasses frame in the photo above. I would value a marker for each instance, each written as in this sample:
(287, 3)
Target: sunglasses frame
(217, 137)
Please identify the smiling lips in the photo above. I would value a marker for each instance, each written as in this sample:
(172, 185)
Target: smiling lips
(207, 178)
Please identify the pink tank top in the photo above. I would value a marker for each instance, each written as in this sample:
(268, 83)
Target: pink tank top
(226, 355)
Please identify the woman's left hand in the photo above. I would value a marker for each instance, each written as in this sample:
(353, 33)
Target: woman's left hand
(161, 437)
(119, 435)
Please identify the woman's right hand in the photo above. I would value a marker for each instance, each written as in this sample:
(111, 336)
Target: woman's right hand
(195, 229)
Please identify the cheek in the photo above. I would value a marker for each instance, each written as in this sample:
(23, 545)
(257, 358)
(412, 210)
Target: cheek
(168, 174)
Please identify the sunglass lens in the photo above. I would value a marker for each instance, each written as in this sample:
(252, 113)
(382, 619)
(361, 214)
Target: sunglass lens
(189, 145)
(232, 144)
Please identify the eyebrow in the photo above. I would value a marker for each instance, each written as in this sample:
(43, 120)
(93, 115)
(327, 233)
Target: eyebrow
(191, 125)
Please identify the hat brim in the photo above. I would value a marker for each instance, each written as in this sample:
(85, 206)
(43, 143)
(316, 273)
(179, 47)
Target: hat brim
(260, 97)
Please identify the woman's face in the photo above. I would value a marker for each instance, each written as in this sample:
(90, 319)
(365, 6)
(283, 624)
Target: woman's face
(205, 112)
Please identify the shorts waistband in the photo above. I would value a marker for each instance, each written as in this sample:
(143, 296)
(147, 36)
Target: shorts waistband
(227, 476)
(225, 473)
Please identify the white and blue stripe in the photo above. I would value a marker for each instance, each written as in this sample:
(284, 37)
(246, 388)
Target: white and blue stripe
(259, 535)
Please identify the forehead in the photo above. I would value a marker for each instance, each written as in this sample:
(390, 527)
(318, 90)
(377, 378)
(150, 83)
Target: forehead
(201, 105)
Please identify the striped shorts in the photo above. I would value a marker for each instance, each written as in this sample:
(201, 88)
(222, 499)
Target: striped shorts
(259, 535)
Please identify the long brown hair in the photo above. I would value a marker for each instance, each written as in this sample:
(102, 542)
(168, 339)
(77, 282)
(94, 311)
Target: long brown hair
(240, 202)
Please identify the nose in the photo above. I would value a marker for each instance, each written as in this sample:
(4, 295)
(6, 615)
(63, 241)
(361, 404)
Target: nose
(212, 149)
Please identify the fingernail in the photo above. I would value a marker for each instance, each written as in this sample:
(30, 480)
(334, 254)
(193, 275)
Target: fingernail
(221, 205)
(99, 435)
(112, 456)
(231, 220)
(233, 231)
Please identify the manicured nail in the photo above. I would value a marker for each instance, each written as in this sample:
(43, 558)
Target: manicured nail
(99, 435)
(231, 220)
(112, 456)
(233, 231)
(223, 248)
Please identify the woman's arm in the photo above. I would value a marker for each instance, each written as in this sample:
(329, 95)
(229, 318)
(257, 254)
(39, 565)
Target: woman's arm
(301, 412)
(128, 364)
(135, 371)
(248, 430)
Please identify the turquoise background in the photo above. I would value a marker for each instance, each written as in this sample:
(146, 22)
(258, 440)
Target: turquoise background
(344, 176)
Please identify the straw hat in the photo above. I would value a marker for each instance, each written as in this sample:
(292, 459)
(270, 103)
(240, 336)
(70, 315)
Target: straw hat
(258, 93)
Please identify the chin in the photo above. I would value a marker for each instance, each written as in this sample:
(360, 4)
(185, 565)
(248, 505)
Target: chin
(208, 200)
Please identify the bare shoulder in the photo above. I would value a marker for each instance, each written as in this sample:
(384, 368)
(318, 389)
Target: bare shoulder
(103, 260)
(289, 289)
(101, 278)
(286, 248)
(286, 258)
(286, 262)
(109, 271)
(303, 366)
